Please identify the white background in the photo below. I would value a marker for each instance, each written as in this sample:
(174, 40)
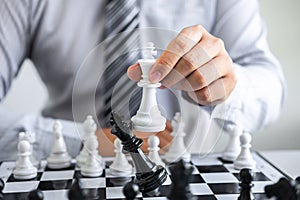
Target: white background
(28, 93)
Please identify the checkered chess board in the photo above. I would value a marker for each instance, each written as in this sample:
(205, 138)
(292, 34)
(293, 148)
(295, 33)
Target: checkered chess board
(211, 179)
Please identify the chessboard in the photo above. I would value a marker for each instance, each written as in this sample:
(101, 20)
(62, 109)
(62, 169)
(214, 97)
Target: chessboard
(212, 178)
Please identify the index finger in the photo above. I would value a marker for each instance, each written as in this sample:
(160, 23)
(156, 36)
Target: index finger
(179, 46)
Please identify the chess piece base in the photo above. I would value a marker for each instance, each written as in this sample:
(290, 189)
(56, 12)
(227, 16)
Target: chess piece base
(59, 161)
(20, 174)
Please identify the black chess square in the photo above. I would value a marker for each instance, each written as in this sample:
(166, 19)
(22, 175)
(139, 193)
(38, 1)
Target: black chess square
(55, 185)
(94, 193)
(257, 176)
(224, 188)
(13, 196)
(212, 169)
(194, 178)
(12, 179)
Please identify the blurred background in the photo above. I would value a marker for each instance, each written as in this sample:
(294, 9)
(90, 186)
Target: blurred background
(28, 94)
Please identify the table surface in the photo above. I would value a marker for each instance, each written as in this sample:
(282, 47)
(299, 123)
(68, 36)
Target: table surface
(288, 161)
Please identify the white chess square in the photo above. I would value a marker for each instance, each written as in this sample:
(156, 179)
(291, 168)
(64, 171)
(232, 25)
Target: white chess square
(200, 189)
(227, 196)
(55, 194)
(116, 193)
(206, 160)
(231, 169)
(259, 186)
(6, 170)
(57, 175)
(155, 198)
(89, 183)
(220, 177)
(168, 181)
(26, 186)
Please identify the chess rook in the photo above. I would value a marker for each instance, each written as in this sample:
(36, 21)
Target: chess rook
(148, 117)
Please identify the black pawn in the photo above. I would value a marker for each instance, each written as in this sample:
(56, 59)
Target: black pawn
(246, 177)
(76, 193)
(130, 190)
(36, 195)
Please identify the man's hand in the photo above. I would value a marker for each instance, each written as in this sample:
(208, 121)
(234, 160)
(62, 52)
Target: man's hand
(195, 62)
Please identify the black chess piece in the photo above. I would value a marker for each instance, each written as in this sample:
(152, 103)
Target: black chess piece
(2, 184)
(76, 193)
(36, 195)
(284, 189)
(246, 178)
(149, 176)
(180, 175)
(131, 190)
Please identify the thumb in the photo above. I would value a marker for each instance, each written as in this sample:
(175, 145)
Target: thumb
(134, 72)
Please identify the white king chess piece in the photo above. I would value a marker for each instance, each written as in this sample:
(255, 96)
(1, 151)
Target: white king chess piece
(148, 117)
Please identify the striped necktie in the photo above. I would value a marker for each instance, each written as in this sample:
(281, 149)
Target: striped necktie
(121, 51)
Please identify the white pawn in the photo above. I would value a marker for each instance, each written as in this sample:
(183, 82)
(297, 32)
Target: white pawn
(30, 137)
(120, 165)
(153, 142)
(245, 159)
(233, 148)
(92, 166)
(59, 157)
(89, 127)
(148, 118)
(177, 149)
(24, 168)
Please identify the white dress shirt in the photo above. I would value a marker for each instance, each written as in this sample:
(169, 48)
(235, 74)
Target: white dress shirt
(60, 37)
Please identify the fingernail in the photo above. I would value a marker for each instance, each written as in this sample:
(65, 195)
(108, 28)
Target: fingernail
(155, 77)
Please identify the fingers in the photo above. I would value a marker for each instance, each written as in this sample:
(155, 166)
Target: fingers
(215, 93)
(178, 47)
(134, 72)
(206, 50)
(205, 75)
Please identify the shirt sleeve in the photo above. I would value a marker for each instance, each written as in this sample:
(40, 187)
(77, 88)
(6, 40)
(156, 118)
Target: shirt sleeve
(18, 22)
(14, 40)
(258, 96)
